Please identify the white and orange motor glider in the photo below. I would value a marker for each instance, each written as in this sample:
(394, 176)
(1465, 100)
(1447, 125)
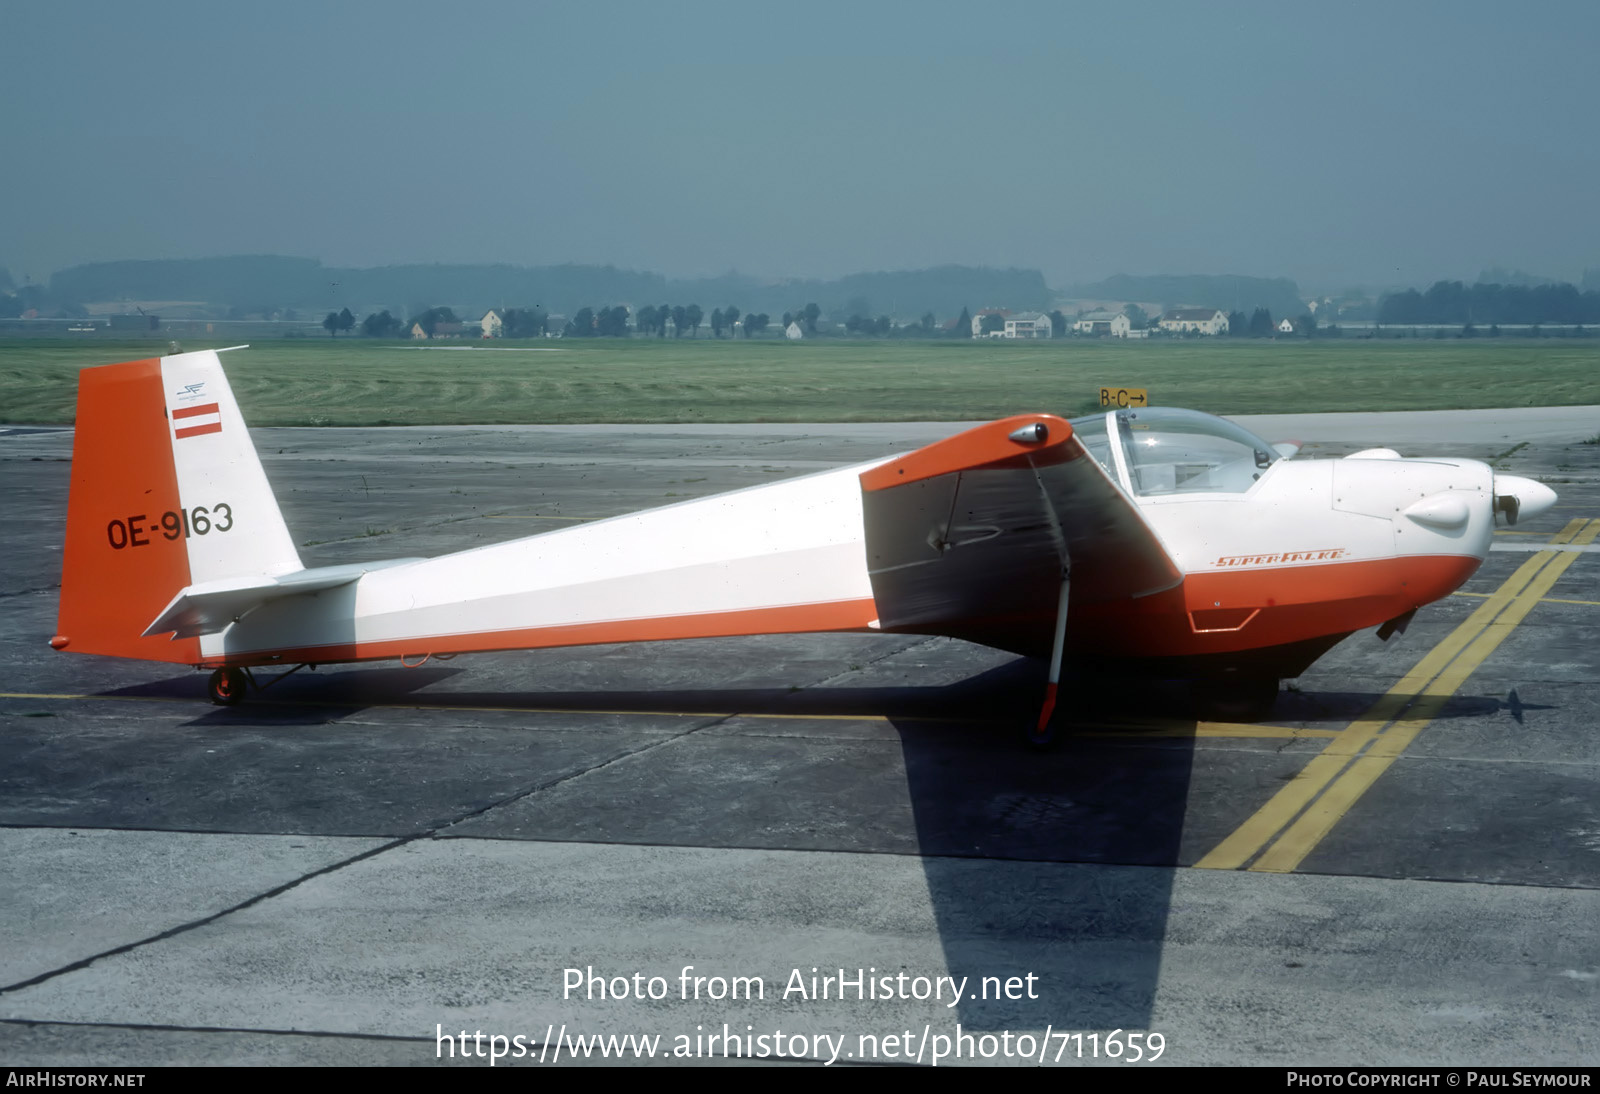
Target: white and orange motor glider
(1169, 538)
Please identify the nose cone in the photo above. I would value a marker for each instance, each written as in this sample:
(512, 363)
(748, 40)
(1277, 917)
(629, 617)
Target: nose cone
(1519, 498)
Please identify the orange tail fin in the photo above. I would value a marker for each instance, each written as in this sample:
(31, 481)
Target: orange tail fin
(124, 556)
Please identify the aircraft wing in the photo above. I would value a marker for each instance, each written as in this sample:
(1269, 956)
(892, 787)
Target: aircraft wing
(970, 536)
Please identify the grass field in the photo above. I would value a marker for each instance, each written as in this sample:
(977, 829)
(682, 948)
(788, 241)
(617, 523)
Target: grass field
(357, 382)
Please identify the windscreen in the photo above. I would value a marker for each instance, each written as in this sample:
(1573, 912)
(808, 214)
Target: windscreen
(1184, 451)
(1092, 432)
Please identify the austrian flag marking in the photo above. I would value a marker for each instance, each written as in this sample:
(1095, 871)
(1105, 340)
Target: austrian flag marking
(194, 421)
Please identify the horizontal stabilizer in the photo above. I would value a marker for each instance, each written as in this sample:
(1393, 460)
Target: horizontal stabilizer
(210, 607)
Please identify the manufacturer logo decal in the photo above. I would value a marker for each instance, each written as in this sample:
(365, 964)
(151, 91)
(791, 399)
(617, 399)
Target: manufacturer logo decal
(1284, 558)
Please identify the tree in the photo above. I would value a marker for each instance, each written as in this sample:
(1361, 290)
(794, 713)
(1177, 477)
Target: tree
(730, 316)
(1058, 324)
(346, 320)
(964, 325)
(812, 313)
(991, 324)
(331, 324)
(1137, 319)
(693, 314)
(680, 320)
(611, 322)
(717, 322)
(1238, 325)
(1261, 323)
(647, 319)
(380, 325)
(525, 322)
(755, 324)
(583, 323)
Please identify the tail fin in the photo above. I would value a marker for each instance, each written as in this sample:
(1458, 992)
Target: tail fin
(167, 492)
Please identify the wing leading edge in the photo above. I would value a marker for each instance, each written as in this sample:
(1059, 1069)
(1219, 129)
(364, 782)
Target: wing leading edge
(970, 537)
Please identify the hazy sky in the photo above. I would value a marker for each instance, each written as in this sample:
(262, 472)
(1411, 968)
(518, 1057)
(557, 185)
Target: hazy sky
(1333, 143)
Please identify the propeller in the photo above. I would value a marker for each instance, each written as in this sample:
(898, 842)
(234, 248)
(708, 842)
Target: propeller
(1518, 497)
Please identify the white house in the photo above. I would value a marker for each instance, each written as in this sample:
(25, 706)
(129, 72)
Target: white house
(1195, 321)
(1103, 323)
(1286, 326)
(493, 323)
(1028, 324)
(1094, 322)
(793, 332)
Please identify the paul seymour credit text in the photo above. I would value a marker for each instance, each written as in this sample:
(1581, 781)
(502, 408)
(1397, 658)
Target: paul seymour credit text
(923, 1043)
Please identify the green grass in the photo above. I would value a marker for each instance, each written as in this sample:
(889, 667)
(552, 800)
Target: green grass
(356, 382)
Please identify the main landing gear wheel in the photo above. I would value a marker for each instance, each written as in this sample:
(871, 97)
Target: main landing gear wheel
(1042, 734)
(1042, 738)
(227, 686)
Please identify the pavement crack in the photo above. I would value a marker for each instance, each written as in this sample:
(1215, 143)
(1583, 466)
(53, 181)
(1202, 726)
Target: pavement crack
(154, 1027)
(184, 928)
(511, 799)
(394, 844)
(858, 666)
(31, 592)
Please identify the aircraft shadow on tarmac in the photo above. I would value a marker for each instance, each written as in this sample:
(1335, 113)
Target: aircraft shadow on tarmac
(1013, 841)
(1058, 863)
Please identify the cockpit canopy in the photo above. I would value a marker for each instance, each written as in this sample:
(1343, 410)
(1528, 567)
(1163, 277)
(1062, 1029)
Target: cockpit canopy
(1169, 451)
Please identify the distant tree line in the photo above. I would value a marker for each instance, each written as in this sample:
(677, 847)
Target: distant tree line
(15, 301)
(525, 322)
(685, 319)
(302, 283)
(1259, 325)
(1452, 303)
(807, 316)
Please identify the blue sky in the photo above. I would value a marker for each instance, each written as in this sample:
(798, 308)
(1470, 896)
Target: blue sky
(1337, 144)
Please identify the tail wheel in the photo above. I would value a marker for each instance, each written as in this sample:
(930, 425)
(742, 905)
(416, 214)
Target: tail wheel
(227, 686)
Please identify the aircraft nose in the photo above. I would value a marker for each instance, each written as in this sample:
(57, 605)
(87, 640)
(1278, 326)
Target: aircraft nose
(1518, 497)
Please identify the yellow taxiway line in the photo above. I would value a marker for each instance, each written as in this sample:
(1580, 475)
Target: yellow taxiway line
(1297, 818)
(1138, 731)
(1546, 600)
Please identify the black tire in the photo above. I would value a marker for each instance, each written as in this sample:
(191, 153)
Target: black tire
(227, 686)
(1041, 740)
(1235, 698)
(1046, 737)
